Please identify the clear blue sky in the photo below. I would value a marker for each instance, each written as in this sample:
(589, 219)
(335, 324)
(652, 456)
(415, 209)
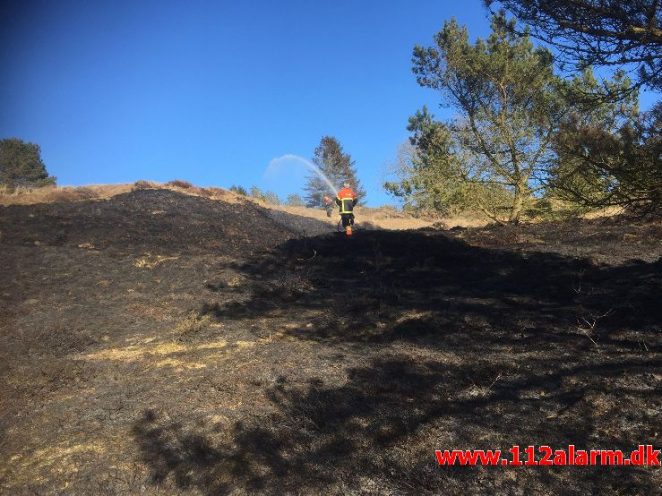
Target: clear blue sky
(211, 91)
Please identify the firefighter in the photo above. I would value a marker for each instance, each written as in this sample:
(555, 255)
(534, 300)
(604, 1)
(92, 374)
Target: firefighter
(328, 205)
(346, 200)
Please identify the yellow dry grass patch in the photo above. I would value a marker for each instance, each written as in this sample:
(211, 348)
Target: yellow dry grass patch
(135, 352)
(235, 281)
(162, 354)
(276, 336)
(149, 261)
(61, 458)
(245, 344)
(167, 348)
(145, 351)
(56, 453)
(192, 323)
(406, 316)
(179, 364)
(604, 212)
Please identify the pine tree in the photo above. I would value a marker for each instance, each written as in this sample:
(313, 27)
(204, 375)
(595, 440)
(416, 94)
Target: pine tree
(21, 164)
(504, 90)
(598, 32)
(337, 166)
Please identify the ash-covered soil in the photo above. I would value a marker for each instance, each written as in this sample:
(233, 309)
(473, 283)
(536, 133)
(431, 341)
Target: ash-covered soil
(610, 240)
(158, 343)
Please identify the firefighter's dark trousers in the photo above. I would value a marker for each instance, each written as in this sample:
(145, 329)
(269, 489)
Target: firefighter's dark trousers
(347, 219)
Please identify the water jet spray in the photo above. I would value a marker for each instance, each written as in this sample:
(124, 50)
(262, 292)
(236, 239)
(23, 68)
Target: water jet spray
(309, 165)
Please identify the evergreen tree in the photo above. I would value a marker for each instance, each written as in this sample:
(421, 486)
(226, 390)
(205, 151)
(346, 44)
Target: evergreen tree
(598, 32)
(21, 164)
(604, 161)
(337, 166)
(505, 92)
(431, 174)
(592, 119)
(428, 178)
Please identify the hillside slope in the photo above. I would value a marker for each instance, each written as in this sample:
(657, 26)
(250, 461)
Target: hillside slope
(161, 343)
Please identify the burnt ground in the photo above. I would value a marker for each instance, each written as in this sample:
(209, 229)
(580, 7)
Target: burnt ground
(158, 343)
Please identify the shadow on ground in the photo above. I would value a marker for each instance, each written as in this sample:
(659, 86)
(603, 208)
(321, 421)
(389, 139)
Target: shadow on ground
(429, 343)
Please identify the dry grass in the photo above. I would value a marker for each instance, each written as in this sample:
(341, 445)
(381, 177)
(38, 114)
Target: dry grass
(384, 217)
(31, 196)
(149, 261)
(604, 212)
(53, 194)
(179, 183)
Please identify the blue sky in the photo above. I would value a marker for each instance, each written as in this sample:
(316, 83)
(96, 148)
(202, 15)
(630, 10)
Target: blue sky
(211, 91)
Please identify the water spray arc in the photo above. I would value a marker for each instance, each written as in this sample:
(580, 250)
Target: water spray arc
(309, 165)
